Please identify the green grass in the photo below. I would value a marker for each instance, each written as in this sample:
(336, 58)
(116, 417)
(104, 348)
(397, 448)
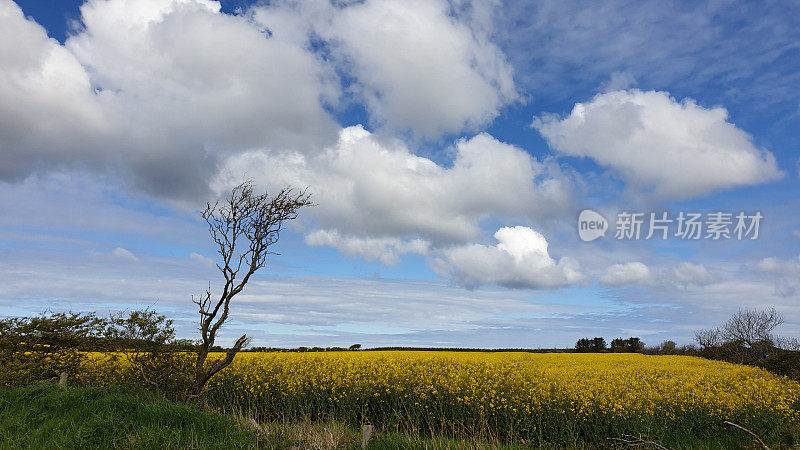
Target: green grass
(44, 416)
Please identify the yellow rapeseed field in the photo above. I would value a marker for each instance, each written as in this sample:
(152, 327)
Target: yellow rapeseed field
(513, 395)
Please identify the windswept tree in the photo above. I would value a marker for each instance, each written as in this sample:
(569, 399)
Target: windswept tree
(244, 227)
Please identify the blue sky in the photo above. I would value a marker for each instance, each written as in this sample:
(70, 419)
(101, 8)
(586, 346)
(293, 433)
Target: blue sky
(450, 147)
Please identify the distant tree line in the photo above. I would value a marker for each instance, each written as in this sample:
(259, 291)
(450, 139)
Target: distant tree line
(353, 347)
(746, 338)
(357, 347)
(618, 345)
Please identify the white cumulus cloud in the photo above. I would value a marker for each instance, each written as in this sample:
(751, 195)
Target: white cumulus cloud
(157, 90)
(415, 64)
(520, 259)
(378, 199)
(48, 111)
(666, 148)
(162, 92)
(783, 273)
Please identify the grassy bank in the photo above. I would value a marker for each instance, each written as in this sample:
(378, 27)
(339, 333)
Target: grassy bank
(44, 416)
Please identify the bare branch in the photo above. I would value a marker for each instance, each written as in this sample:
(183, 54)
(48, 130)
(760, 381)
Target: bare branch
(755, 436)
(636, 442)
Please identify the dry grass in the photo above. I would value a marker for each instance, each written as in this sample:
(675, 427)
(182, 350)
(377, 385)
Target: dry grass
(309, 435)
(302, 434)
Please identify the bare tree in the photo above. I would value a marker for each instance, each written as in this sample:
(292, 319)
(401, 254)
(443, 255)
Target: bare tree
(708, 338)
(752, 327)
(244, 227)
(788, 344)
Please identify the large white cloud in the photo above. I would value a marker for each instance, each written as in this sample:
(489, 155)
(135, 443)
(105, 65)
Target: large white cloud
(415, 64)
(182, 67)
(83, 275)
(159, 91)
(377, 199)
(163, 91)
(666, 148)
(520, 259)
(48, 111)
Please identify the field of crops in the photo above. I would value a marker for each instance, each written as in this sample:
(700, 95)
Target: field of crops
(514, 397)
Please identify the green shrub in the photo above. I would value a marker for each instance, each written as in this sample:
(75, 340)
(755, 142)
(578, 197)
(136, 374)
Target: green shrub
(786, 364)
(40, 348)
